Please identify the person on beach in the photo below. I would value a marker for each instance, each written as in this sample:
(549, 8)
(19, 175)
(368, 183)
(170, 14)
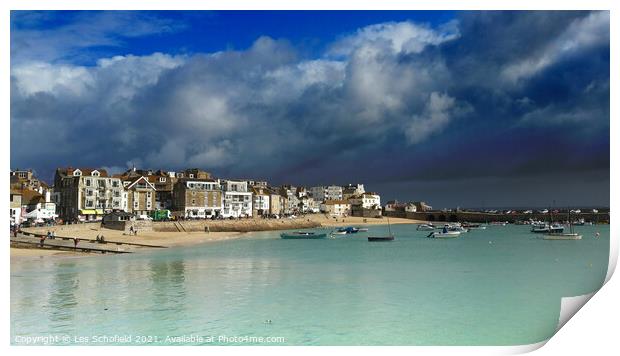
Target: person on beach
(75, 242)
(102, 239)
(131, 230)
(42, 241)
(97, 238)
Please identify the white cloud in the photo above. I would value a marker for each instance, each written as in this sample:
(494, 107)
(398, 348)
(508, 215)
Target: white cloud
(581, 35)
(405, 37)
(439, 110)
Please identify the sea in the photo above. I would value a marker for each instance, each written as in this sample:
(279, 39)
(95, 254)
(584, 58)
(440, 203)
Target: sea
(499, 286)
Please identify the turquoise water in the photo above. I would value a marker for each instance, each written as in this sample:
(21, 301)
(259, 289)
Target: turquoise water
(499, 286)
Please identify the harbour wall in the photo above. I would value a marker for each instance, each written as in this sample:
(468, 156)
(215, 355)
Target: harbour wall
(243, 225)
(480, 217)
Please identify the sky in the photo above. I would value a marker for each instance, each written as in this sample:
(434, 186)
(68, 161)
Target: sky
(455, 108)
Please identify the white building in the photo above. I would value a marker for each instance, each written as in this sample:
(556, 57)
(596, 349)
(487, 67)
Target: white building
(336, 208)
(307, 204)
(411, 208)
(367, 200)
(260, 201)
(237, 199)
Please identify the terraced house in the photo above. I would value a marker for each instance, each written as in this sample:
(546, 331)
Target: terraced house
(87, 194)
(237, 199)
(140, 195)
(197, 198)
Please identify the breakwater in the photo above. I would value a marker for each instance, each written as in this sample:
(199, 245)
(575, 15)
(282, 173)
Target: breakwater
(481, 217)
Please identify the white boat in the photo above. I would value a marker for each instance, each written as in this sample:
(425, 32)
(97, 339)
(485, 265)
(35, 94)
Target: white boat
(444, 235)
(339, 233)
(562, 236)
(457, 228)
(546, 228)
(499, 223)
(426, 227)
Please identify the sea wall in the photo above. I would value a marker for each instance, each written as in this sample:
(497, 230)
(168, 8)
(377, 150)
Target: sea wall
(480, 217)
(243, 225)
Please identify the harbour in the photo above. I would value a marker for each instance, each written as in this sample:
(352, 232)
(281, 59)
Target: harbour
(431, 290)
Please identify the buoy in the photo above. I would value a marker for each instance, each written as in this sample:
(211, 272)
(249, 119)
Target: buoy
(490, 242)
(268, 321)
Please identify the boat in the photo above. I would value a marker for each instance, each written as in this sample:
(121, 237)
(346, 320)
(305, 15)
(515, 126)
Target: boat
(456, 228)
(426, 227)
(302, 235)
(348, 230)
(362, 229)
(381, 238)
(339, 232)
(444, 234)
(389, 237)
(571, 235)
(579, 222)
(562, 236)
(543, 228)
(499, 223)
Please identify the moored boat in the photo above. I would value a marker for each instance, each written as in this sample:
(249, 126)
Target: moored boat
(388, 237)
(546, 228)
(302, 235)
(381, 238)
(444, 234)
(426, 227)
(562, 236)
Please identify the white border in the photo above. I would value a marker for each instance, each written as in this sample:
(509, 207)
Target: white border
(593, 329)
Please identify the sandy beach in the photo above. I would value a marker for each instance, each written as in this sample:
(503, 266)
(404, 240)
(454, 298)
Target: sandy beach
(358, 221)
(172, 239)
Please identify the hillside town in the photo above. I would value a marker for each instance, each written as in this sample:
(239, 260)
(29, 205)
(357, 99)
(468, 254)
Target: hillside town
(87, 194)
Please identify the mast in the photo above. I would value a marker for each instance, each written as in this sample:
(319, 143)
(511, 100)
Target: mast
(570, 222)
(389, 229)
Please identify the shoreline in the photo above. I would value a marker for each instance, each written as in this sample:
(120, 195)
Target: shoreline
(171, 239)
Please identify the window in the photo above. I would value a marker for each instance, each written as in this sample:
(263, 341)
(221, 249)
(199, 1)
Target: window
(191, 175)
(95, 174)
(115, 183)
(90, 203)
(88, 182)
(193, 201)
(162, 179)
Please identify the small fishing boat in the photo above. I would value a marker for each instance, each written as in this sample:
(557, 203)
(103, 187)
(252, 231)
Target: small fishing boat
(546, 228)
(339, 233)
(444, 234)
(389, 237)
(381, 238)
(348, 230)
(302, 235)
(426, 227)
(472, 226)
(456, 228)
(561, 235)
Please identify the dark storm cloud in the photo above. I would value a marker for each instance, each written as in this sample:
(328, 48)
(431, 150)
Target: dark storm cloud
(494, 94)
